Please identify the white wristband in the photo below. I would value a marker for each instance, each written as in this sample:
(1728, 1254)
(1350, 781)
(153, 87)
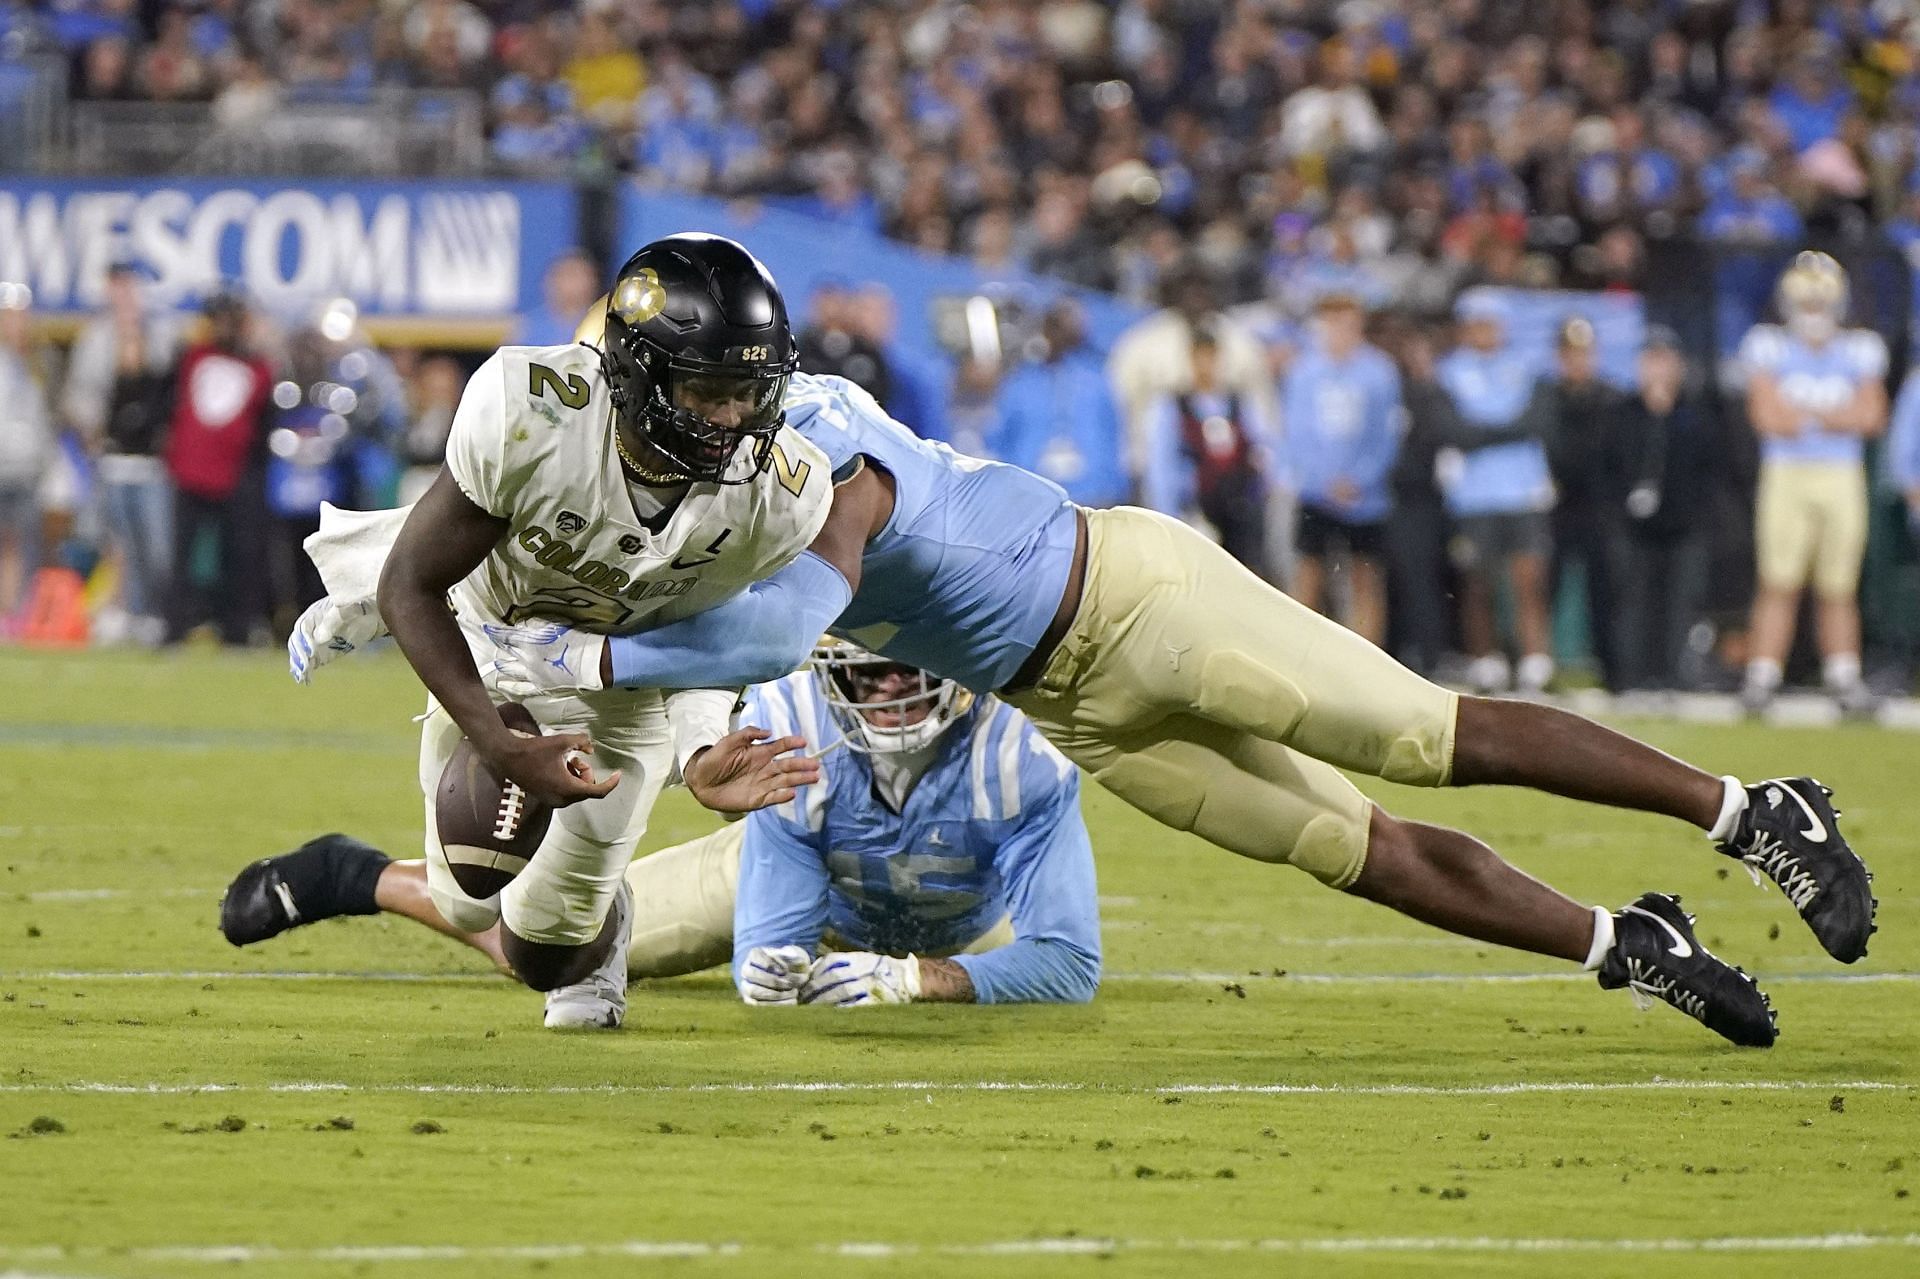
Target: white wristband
(699, 717)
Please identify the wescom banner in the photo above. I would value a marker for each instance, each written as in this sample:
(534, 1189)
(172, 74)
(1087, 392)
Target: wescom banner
(398, 249)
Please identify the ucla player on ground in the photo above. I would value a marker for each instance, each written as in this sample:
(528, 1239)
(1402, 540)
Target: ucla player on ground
(1816, 392)
(1216, 704)
(606, 489)
(941, 857)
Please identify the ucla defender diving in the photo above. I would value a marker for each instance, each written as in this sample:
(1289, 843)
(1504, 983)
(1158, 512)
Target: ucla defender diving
(941, 858)
(1214, 703)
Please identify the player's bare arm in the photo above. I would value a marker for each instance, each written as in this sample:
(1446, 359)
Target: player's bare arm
(444, 539)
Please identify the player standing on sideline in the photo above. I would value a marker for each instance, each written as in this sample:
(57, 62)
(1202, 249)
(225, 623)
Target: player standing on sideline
(1216, 704)
(948, 828)
(1816, 392)
(607, 489)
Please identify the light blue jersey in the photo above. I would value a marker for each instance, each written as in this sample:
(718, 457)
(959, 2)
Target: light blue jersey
(1343, 421)
(1903, 439)
(992, 830)
(1815, 379)
(1491, 389)
(970, 568)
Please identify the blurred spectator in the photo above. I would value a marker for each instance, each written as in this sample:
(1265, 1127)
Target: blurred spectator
(1418, 570)
(1499, 498)
(1211, 454)
(28, 447)
(1903, 452)
(216, 439)
(1816, 391)
(118, 397)
(1057, 415)
(916, 384)
(1342, 410)
(1663, 457)
(606, 75)
(833, 340)
(1153, 359)
(433, 394)
(570, 286)
(1576, 413)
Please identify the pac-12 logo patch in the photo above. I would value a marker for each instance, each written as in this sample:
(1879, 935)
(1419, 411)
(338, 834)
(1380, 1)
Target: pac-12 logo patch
(569, 523)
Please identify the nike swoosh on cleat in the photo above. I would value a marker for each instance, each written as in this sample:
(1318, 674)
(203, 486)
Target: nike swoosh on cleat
(1816, 829)
(1680, 947)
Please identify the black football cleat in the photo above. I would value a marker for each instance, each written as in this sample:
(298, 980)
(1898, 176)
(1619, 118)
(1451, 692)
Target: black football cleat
(323, 878)
(1656, 956)
(1791, 834)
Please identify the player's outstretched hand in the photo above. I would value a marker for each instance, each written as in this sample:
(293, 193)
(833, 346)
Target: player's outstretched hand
(552, 769)
(535, 659)
(772, 975)
(849, 978)
(328, 629)
(744, 771)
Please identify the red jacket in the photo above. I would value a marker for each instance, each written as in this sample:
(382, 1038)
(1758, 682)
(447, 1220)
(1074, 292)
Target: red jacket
(219, 417)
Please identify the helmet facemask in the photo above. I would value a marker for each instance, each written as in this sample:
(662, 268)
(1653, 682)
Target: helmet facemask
(666, 401)
(885, 707)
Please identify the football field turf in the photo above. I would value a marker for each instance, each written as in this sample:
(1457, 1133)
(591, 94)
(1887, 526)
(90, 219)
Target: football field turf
(1274, 1078)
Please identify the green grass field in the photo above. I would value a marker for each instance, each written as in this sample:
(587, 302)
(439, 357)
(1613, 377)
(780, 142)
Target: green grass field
(1273, 1079)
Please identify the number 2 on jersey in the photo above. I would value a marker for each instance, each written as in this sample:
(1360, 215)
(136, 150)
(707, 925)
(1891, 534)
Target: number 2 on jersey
(573, 392)
(792, 478)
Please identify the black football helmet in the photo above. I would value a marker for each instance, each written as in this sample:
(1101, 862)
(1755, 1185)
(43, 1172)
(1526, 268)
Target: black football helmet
(697, 330)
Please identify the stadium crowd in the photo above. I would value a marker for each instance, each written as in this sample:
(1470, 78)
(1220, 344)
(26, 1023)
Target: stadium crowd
(1312, 194)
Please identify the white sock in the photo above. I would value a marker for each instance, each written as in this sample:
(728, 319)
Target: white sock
(1841, 670)
(1732, 804)
(1536, 671)
(1602, 938)
(1763, 673)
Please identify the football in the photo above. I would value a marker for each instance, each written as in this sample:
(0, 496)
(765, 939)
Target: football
(489, 828)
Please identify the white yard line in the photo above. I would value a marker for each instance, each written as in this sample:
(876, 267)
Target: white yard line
(1518, 1088)
(1072, 1246)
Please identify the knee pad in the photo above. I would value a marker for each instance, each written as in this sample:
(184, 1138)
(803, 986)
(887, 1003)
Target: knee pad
(1237, 690)
(1331, 849)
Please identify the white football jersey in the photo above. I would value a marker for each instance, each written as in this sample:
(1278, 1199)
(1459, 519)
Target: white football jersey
(532, 442)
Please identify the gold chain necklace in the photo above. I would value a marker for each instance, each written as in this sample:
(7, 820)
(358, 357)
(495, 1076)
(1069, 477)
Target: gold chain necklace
(640, 472)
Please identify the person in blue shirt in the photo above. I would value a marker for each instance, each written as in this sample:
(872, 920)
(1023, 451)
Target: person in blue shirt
(1197, 693)
(1058, 418)
(1903, 450)
(568, 288)
(941, 858)
(1811, 99)
(1816, 392)
(1499, 498)
(1344, 419)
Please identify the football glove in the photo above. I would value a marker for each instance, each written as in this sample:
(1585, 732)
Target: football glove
(847, 978)
(536, 659)
(329, 629)
(773, 975)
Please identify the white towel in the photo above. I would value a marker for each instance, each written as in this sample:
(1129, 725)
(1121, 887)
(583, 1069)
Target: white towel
(351, 548)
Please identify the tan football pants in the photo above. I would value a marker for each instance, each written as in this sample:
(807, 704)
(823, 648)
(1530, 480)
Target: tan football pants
(1216, 704)
(683, 907)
